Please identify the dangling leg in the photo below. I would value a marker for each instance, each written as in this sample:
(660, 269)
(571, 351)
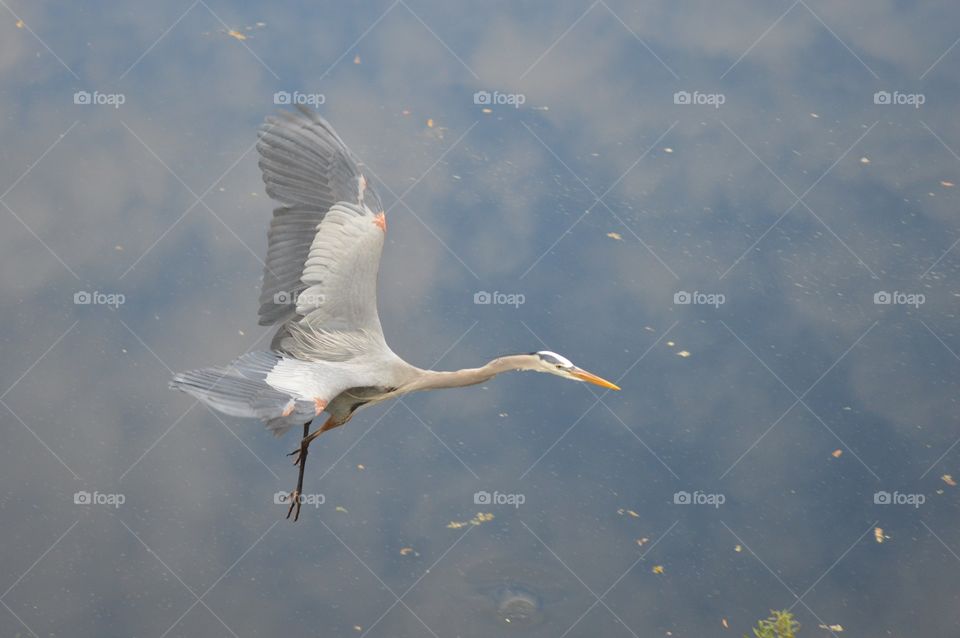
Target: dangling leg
(301, 460)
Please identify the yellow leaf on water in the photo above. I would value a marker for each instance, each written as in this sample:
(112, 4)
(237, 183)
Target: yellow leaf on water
(481, 518)
(356, 59)
(836, 453)
(948, 479)
(341, 508)
(658, 569)
(864, 160)
(616, 236)
(836, 628)
(878, 534)
(236, 34)
(19, 24)
(405, 551)
(947, 184)
(723, 621)
(476, 520)
(683, 353)
(738, 548)
(430, 123)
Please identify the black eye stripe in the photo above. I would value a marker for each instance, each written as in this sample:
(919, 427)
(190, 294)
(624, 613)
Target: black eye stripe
(553, 359)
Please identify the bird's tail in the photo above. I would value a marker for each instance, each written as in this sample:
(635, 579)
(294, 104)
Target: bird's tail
(240, 389)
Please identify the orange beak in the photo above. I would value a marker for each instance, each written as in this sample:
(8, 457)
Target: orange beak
(583, 375)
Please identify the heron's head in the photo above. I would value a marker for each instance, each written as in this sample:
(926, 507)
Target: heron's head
(562, 367)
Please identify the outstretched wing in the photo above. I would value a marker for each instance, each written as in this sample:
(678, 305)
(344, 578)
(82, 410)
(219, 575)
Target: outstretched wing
(326, 238)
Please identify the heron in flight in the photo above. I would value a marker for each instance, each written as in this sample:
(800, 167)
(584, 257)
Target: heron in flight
(320, 286)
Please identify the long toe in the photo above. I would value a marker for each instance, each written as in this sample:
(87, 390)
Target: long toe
(294, 502)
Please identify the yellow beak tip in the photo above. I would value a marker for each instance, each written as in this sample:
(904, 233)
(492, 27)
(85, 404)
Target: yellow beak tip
(589, 377)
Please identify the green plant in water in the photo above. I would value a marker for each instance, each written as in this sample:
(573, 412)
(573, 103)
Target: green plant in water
(780, 624)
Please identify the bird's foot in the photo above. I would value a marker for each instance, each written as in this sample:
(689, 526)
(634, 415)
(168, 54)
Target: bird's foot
(295, 504)
(299, 453)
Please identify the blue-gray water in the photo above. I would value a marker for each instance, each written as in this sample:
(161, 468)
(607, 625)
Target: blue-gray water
(788, 186)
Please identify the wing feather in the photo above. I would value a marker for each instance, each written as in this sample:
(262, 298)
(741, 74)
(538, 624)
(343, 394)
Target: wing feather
(308, 168)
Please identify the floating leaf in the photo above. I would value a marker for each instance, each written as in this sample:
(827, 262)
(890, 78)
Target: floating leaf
(948, 479)
(657, 569)
(616, 236)
(476, 520)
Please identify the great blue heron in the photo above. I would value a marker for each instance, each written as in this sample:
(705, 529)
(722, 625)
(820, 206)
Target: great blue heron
(320, 285)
